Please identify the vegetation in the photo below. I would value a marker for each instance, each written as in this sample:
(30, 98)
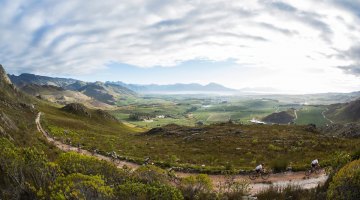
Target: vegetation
(346, 112)
(31, 168)
(199, 148)
(346, 183)
(312, 115)
(291, 192)
(26, 173)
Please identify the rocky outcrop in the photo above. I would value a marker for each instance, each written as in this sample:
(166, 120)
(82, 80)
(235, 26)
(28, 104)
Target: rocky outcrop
(283, 117)
(105, 115)
(7, 123)
(350, 130)
(77, 109)
(4, 77)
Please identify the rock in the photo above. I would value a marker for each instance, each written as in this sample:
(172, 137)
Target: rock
(4, 77)
(7, 122)
(77, 108)
(105, 115)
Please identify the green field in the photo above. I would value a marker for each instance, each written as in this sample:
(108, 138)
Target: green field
(311, 114)
(188, 111)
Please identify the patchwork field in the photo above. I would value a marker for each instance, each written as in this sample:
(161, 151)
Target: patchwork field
(191, 111)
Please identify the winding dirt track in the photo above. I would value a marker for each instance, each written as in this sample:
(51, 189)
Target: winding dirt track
(281, 179)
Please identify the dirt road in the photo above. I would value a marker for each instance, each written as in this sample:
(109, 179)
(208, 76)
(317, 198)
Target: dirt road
(280, 179)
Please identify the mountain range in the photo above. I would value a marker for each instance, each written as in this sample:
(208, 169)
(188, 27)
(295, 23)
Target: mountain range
(64, 90)
(178, 88)
(118, 87)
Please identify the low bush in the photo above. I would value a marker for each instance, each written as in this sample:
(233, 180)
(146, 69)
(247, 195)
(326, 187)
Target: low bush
(290, 192)
(279, 165)
(151, 174)
(196, 187)
(147, 191)
(346, 183)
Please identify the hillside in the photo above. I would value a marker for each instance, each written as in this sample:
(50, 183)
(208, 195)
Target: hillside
(17, 114)
(26, 78)
(81, 110)
(345, 112)
(176, 88)
(283, 117)
(107, 93)
(61, 96)
(64, 91)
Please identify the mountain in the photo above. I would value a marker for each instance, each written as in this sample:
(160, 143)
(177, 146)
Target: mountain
(25, 79)
(17, 114)
(61, 96)
(344, 112)
(178, 88)
(64, 91)
(283, 117)
(107, 93)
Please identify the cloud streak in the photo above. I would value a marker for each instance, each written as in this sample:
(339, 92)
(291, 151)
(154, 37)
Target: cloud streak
(79, 37)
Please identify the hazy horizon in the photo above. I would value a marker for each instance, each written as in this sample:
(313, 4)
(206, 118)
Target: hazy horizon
(291, 47)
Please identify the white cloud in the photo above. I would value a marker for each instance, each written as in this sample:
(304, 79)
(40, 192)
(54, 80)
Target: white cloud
(77, 37)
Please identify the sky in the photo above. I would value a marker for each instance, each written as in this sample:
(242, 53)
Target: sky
(298, 46)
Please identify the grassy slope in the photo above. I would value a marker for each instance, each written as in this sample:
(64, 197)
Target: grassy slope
(345, 113)
(16, 107)
(242, 146)
(311, 114)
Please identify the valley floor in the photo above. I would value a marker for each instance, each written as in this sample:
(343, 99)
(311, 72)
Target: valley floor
(281, 179)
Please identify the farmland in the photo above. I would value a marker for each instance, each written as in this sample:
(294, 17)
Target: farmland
(191, 111)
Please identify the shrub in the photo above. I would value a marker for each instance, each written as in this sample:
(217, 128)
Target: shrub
(272, 147)
(346, 183)
(79, 186)
(290, 192)
(146, 191)
(75, 163)
(279, 165)
(356, 155)
(196, 187)
(232, 189)
(151, 174)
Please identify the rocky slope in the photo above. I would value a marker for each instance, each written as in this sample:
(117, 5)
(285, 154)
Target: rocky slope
(81, 110)
(344, 113)
(17, 112)
(57, 90)
(283, 117)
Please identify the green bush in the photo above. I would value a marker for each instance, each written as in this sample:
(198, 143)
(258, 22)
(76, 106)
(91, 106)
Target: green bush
(346, 183)
(356, 155)
(279, 165)
(196, 187)
(151, 174)
(73, 162)
(79, 186)
(146, 191)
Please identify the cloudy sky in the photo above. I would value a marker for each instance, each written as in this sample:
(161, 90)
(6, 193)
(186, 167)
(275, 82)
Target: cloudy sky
(301, 46)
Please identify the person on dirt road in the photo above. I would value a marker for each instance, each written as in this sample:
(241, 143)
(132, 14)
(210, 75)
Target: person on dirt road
(260, 168)
(315, 163)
